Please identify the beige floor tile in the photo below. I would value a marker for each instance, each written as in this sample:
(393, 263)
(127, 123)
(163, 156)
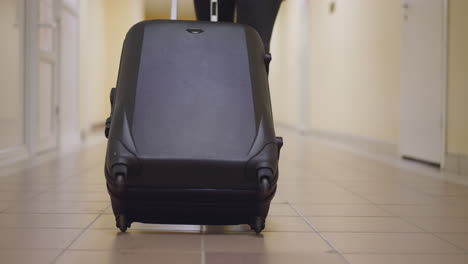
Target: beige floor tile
(106, 239)
(36, 179)
(340, 210)
(273, 258)
(81, 188)
(225, 229)
(407, 259)
(125, 257)
(58, 207)
(28, 256)
(24, 187)
(4, 205)
(374, 188)
(17, 196)
(281, 210)
(37, 238)
(459, 239)
(324, 198)
(286, 224)
(389, 243)
(427, 210)
(46, 220)
(443, 189)
(399, 198)
(278, 242)
(78, 197)
(273, 224)
(109, 211)
(450, 200)
(362, 224)
(440, 224)
(86, 180)
(318, 187)
(107, 221)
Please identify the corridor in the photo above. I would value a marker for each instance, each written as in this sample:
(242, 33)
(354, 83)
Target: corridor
(332, 206)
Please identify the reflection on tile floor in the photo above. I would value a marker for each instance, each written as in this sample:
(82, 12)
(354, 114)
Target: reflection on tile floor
(331, 207)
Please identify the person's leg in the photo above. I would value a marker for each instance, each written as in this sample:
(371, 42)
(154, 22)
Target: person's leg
(260, 14)
(225, 10)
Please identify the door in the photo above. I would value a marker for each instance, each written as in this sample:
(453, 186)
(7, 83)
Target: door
(423, 80)
(46, 95)
(12, 121)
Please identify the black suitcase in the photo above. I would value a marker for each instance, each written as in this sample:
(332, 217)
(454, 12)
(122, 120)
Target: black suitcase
(191, 137)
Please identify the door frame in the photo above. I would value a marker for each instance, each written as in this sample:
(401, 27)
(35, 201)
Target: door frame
(445, 54)
(65, 115)
(52, 58)
(443, 84)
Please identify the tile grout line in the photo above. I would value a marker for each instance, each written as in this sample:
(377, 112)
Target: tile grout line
(424, 231)
(49, 188)
(319, 234)
(203, 253)
(432, 233)
(79, 235)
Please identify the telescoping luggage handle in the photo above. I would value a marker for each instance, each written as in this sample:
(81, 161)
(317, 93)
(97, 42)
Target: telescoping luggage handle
(213, 10)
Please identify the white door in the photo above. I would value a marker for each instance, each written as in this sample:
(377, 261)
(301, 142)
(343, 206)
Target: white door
(423, 80)
(12, 121)
(46, 95)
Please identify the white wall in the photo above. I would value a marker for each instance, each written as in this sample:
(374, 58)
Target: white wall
(69, 76)
(104, 24)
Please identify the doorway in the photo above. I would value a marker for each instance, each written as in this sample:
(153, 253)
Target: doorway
(29, 71)
(423, 80)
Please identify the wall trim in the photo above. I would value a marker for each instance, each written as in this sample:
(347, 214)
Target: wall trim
(353, 142)
(456, 163)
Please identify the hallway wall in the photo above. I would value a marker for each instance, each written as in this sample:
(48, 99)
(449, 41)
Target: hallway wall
(354, 70)
(354, 73)
(284, 68)
(457, 112)
(11, 99)
(104, 24)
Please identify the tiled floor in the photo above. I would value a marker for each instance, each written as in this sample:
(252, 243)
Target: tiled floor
(332, 207)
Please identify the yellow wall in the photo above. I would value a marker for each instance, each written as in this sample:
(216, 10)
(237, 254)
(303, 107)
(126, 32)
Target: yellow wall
(93, 106)
(354, 68)
(284, 66)
(457, 110)
(9, 64)
(104, 24)
(354, 63)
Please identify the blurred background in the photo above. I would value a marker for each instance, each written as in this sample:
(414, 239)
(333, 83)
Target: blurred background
(388, 77)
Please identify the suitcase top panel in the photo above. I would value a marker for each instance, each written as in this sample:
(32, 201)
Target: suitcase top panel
(194, 94)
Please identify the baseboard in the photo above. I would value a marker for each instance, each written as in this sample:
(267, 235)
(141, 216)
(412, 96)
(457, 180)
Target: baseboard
(456, 163)
(351, 142)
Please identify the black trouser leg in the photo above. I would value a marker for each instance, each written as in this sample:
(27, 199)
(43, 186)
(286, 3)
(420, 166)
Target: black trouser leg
(260, 14)
(225, 10)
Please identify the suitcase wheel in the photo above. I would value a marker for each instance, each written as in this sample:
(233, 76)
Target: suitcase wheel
(264, 186)
(122, 223)
(258, 224)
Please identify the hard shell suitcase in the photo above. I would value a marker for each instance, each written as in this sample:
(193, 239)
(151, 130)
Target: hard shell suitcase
(191, 137)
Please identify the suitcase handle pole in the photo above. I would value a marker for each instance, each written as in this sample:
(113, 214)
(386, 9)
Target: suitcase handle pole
(214, 10)
(174, 5)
